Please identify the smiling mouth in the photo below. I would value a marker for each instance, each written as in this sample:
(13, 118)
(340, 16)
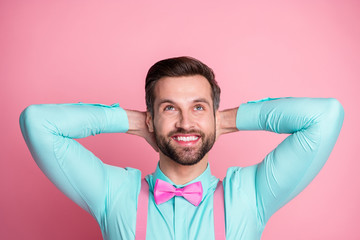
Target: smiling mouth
(187, 140)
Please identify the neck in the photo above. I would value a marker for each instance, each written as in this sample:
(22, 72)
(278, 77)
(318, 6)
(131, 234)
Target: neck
(181, 174)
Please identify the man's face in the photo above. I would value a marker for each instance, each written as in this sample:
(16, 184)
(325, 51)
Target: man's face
(184, 121)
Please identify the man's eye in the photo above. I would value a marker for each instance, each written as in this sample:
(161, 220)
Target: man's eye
(169, 108)
(199, 108)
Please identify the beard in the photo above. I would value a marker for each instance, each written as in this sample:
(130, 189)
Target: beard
(185, 155)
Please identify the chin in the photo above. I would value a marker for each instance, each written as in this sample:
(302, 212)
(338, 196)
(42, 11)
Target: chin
(191, 159)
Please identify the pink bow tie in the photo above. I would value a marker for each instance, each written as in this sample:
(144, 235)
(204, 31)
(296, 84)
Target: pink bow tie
(164, 191)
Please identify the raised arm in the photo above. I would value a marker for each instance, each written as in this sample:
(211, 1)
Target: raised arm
(49, 131)
(314, 125)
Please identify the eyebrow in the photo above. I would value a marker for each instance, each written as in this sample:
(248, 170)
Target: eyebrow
(162, 101)
(198, 100)
(202, 100)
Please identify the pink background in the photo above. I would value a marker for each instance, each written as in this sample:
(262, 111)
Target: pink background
(99, 52)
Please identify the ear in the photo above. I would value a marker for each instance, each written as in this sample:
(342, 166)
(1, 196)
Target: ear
(217, 124)
(149, 122)
(217, 116)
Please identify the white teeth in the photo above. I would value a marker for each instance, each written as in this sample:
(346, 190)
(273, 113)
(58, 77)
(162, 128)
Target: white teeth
(187, 139)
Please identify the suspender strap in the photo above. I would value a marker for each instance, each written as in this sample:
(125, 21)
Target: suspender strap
(219, 212)
(142, 210)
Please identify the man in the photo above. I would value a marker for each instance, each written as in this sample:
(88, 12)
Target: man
(182, 122)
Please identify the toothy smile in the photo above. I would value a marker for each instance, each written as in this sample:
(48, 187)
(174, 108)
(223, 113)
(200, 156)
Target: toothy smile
(186, 139)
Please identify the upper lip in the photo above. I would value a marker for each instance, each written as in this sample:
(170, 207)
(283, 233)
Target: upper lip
(185, 135)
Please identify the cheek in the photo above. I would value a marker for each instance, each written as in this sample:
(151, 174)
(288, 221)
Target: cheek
(211, 123)
(163, 125)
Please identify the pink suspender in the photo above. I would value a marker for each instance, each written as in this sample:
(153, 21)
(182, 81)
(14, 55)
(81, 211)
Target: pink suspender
(141, 214)
(143, 201)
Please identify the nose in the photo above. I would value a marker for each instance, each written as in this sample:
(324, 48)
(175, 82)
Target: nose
(185, 121)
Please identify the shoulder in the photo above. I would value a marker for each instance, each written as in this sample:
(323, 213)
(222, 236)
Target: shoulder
(237, 175)
(126, 178)
(240, 183)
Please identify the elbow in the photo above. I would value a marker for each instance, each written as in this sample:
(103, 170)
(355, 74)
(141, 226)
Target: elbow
(29, 118)
(26, 114)
(335, 111)
(24, 117)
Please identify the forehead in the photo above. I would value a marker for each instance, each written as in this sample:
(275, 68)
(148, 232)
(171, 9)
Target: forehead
(185, 88)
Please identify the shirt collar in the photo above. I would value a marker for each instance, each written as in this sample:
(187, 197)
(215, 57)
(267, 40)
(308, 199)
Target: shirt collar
(207, 180)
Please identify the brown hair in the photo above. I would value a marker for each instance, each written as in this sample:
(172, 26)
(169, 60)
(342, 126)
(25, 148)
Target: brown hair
(179, 67)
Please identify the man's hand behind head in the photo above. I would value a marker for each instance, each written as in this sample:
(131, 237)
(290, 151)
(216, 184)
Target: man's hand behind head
(138, 126)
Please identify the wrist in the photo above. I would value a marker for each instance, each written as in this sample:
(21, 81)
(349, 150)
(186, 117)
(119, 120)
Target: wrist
(227, 121)
(136, 122)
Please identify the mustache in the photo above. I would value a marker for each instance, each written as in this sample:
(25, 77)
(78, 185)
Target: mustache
(183, 131)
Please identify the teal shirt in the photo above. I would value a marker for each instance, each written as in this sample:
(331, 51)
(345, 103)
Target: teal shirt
(252, 194)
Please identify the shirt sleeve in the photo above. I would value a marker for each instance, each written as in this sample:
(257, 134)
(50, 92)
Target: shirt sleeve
(50, 131)
(313, 124)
